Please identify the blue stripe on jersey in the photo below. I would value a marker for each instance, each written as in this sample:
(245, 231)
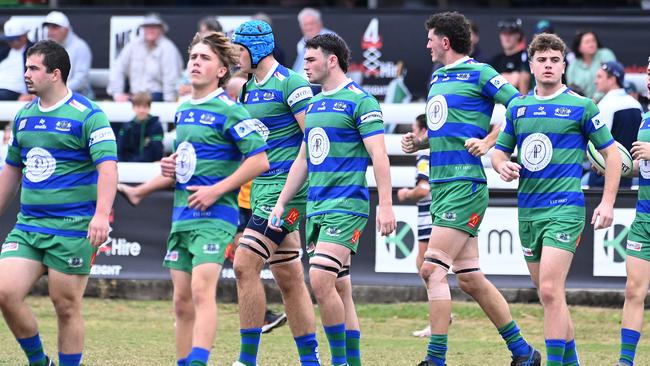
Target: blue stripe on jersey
(61, 154)
(336, 134)
(287, 141)
(470, 104)
(555, 111)
(454, 157)
(611, 141)
(86, 208)
(554, 171)
(559, 140)
(63, 181)
(262, 96)
(106, 158)
(199, 180)
(643, 206)
(643, 181)
(503, 148)
(279, 121)
(49, 231)
(471, 77)
(51, 124)
(344, 164)
(332, 106)
(226, 213)
(320, 193)
(551, 199)
(216, 151)
(458, 129)
(200, 117)
(372, 133)
(278, 167)
(14, 163)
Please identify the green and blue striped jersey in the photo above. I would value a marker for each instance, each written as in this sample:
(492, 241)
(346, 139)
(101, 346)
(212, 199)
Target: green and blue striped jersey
(336, 123)
(459, 106)
(551, 135)
(212, 136)
(57, 149)
(274, 101)
(643, 204)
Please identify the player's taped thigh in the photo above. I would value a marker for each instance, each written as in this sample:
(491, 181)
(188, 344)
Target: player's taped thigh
(344, 273)
(285, 256)
(434, 273)
(258, 244)
(325, 261)
(466, 265)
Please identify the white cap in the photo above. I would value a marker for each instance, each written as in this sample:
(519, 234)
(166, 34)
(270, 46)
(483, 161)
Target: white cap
(14, 28)
(154, 19)
(57, 18)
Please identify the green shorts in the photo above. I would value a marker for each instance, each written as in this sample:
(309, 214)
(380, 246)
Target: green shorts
(264, 197)
(65, 254)
(188, 249)
(339, 228)
(638, 240)
(459, 204)
(563, 233)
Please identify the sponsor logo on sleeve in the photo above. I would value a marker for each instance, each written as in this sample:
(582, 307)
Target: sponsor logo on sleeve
(498, 81)
(371, 116)
(299, 95)
(245, 127)
(597, 121)
(103, 134)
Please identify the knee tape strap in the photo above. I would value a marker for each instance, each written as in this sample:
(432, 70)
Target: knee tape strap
(325, 262)
(436, 278)
(466, 266)
(343, 273)
(281, 257)
(255, 245)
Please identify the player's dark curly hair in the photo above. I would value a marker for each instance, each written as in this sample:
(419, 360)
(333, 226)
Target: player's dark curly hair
(331, 44)
(455, 27)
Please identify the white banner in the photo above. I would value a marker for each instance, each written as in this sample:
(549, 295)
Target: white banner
(123, 29)
(610, 243)
(498, 242)
(396, 253)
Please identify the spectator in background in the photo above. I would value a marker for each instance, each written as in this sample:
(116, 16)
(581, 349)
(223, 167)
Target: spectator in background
(141, 139)
(544, 26)
(60, 31)
(311, 25)
(631, 89)
(12, 61)
(151, 63)
(278, 53)
(4, 148)
(205, 25)
(589, 55)
(620, 112)
(512, 62)
(476, 52)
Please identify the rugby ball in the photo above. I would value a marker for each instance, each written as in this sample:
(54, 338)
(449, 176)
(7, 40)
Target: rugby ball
(598, 161)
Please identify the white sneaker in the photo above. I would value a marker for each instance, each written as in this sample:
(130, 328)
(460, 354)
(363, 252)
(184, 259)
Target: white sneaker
(424, 333)
(237, 363)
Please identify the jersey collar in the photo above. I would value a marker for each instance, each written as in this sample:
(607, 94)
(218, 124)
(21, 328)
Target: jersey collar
(207, 97)
(268, 75)
(549, 97)
(57, 104)
(457, 62)
(338, 88)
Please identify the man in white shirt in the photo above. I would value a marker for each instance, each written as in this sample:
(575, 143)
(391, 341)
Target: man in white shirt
(152, 64)
(60, 31)
(311, 25)
(12, 61)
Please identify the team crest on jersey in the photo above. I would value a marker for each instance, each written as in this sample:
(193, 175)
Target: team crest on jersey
(436, 111)
(39, 165)
(207, 118)
(171, 256)
(9, 247)
(268, 95)
(211, 248)
(644, 168)
(22, 124)
(536, 152)
(521, 111)
(63, 126)
(562, 112)
(318, 144)
(41, 125)
(563, 237)
(634, 246)
(463, 76)
(185, 162)
(340, 106)
(333, 232)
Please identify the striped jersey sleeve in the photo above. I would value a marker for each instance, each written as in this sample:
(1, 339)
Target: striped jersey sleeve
(100, 138)
(592, 127)
(243, 131)
(297, 93)
(643, 203)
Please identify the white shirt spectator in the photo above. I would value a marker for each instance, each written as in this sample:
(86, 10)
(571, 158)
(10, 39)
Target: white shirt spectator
(12, 69)
(616, 100)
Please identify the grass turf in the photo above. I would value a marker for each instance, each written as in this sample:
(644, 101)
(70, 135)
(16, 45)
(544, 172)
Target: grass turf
(141, 333)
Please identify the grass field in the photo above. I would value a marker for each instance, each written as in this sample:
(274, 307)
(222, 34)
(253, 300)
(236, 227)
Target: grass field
(140, 333)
